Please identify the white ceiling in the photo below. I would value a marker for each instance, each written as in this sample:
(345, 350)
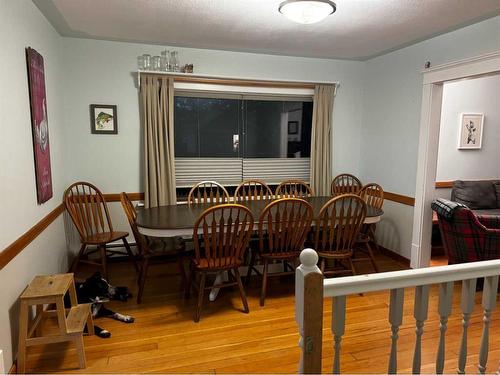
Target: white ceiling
(358, 30)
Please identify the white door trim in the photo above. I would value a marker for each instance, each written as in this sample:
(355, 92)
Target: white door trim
(433, 80)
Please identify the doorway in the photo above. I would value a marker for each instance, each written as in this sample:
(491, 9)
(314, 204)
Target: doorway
(432, 100)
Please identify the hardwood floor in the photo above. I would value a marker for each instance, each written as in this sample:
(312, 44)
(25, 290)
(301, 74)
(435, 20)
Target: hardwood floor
(164, 338)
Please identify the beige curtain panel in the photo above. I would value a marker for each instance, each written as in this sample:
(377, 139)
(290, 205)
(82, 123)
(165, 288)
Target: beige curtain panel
(321, 139)
(157, 116)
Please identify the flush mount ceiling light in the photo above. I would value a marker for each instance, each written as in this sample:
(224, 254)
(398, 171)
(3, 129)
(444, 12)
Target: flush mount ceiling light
(307, 11)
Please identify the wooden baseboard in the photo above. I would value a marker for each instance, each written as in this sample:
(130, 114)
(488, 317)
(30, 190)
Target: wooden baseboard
(394, 255)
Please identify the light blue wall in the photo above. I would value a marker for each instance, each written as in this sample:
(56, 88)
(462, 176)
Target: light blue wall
(391, 116)
(392, 101)
(22, 25)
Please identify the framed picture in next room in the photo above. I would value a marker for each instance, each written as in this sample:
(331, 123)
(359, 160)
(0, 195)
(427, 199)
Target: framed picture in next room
(471, 131)
(103, 119)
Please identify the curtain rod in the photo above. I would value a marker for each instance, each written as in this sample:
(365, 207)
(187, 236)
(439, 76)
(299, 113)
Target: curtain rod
(227, 80)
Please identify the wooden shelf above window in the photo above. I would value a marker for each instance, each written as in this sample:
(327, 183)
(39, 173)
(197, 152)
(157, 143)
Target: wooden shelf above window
(235, 81)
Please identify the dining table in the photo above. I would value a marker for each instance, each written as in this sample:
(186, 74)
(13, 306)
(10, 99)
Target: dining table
(179, 219)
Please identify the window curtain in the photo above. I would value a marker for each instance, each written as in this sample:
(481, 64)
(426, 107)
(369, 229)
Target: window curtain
(321, 140)
(157, 115)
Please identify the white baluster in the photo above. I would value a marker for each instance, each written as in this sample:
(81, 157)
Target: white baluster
(467, 306)
(444, 309)
(338, 329)
(395, 318)
(420, 314)
(489, 302)
(309, 311)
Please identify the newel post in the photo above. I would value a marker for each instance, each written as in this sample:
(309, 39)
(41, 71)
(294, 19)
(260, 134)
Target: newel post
(309, 311)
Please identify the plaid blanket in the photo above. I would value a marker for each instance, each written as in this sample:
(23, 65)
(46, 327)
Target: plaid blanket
(446, 208)
(466, 237)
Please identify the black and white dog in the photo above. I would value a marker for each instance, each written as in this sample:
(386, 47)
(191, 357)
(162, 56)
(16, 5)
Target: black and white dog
(97, 291)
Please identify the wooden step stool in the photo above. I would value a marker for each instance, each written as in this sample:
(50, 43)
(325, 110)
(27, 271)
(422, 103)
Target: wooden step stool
(50, 290)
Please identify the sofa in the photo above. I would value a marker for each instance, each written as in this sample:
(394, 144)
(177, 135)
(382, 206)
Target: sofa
(482, 197)
(467, 237)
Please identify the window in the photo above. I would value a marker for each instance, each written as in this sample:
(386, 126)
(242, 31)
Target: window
(233, 137)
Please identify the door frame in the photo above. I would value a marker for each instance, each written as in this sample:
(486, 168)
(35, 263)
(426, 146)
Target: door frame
(432, 95)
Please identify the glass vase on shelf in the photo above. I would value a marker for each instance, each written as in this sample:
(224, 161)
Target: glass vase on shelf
(156, 63)
(147, 61)
(165, 61)
(174, 61)
(140, 62)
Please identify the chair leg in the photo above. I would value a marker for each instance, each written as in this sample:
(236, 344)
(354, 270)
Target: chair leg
(374, 239)
(372, 258)
(76, 261)
(201, 291)
(250, 267)
(142, 279)
(264, 283)
(104, 261)
(130, 254)
(189, 280)
(80, 351)
(90, 324)
(182, 271)
(23, 335)
(322, 265)
(351, 264)
(39, 327)
(242, 291)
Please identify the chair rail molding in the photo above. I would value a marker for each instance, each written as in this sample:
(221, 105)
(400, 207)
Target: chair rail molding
(12, 250)
(432, 92)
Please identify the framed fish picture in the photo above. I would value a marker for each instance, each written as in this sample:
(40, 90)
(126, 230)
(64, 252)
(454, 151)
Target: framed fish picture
(39, 125)
(103, 119)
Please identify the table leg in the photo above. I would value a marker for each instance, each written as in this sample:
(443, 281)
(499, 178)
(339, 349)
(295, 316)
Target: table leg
(221, 277)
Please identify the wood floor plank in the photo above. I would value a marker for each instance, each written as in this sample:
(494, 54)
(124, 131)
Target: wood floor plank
(164, 338)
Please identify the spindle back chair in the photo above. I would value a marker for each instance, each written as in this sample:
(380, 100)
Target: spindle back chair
(373, 195)
(337, 228)
(150, 249)
(294, 189)
(89, 213)
(208, 192)
(283, 228)
(252, 190)
(221, 235)
(345, 184)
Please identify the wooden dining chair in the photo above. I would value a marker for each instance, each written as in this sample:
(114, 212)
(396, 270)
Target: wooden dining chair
(294, 189)
(283, 228)
(208, 192)
(88, 211)
(337, 228)
(252, 190)
(373, 195)
(345, 184)
(221, 236)
(149, 249)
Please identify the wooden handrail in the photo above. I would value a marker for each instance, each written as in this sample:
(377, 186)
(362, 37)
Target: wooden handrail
(343, 286)
(311, 289)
